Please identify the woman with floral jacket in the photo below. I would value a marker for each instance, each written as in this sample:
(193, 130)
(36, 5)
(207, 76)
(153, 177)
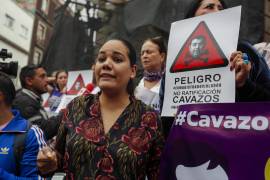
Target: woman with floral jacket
(110, 135)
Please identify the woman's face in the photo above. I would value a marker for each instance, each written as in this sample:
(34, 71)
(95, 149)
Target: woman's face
(61, 79)
(112, 69)
(151, 57)
(208, 6)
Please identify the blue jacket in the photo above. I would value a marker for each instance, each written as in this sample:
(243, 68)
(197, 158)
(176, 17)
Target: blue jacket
(33, 142)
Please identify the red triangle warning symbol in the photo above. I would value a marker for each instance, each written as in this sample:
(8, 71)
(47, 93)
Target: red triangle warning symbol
(77, 85)
(200, 51)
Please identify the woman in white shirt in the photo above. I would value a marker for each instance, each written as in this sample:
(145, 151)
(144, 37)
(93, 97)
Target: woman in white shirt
(153, 54)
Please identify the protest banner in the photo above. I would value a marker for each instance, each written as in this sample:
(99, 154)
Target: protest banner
(224, 141)
(78, 80)
(197, 66)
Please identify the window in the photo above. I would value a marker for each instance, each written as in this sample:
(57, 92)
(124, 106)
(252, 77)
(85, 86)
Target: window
(41, 31)
(24, 31)
(45, 6)
(9, 21)
(38, 55)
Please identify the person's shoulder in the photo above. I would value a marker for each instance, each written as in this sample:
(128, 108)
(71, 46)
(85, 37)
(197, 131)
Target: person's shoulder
(21, 96)
(82, 101)
(149, 119)
(84, 98)
(20, 92)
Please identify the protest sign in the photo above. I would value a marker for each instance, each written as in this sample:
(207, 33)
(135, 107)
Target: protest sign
(197, 66)
(78, 80)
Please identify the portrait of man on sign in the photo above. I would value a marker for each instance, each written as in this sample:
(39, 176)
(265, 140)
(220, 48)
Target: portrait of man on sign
(196, 50)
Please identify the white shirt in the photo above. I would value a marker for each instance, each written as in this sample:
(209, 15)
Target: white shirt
(148, 96)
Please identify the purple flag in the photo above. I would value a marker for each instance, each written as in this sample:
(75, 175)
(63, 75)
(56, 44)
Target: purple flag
(228, 141)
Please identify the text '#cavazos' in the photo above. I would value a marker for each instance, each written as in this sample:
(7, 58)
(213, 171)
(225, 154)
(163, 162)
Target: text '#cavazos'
(194, 119)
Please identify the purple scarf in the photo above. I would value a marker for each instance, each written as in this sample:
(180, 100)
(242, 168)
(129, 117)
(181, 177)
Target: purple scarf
(152, 76)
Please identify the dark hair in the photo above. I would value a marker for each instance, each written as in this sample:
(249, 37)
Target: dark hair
(195, 4)
(60, 71)
(131, 51)
(56, 76)
(7, 88)
(28, 71)
(133, 59)
(160, 42)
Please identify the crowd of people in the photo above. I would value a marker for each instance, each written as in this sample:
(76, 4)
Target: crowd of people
(116, 133)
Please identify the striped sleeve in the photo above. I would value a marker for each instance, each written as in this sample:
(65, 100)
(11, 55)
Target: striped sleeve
(39, 136)
(35, 142)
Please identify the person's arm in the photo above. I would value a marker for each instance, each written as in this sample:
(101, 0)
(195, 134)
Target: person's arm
(50, 159)
(256, 84)
(155, 152)
(252, 79)
(28, 165)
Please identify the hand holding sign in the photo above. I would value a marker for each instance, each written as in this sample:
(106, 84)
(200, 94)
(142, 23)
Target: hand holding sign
(242, 67)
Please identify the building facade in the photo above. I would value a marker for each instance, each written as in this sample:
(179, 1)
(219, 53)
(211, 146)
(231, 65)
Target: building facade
(43, 27)
(16, 31)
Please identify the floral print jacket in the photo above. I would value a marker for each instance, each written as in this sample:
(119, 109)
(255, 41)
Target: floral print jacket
(130, 150)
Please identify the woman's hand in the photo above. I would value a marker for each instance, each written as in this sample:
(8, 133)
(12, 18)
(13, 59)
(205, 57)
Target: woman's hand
(242, 68)
(47, 161)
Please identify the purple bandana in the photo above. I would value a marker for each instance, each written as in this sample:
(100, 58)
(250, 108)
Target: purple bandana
(152, 76)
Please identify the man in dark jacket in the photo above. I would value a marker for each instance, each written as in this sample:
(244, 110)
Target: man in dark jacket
(28, 100)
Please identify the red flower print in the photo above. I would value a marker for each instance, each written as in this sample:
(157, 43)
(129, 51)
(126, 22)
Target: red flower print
(106, 164)
(101, 148)
(65, 119)
(94, 109)
(149, 119)
(137, 140)
(90, 129)
(108, 177)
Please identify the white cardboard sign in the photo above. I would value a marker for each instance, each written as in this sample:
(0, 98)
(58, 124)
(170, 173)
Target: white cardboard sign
(197, 67)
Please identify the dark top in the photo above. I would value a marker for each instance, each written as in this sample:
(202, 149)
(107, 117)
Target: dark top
(30, 106)
(130, 150)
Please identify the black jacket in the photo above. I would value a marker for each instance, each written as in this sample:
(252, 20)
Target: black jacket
(257, 86)
(30, 107)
